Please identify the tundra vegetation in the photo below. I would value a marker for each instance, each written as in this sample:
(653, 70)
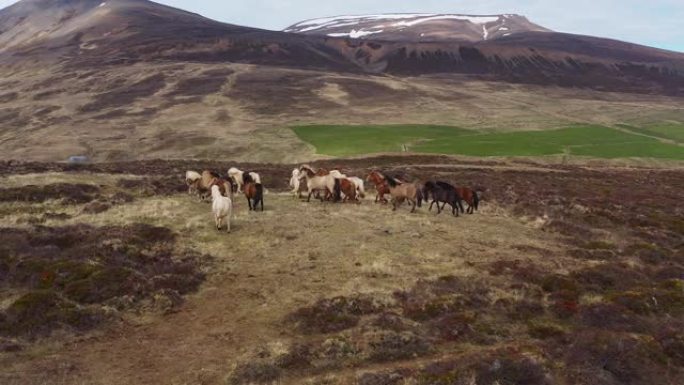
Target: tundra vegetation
(566, 274)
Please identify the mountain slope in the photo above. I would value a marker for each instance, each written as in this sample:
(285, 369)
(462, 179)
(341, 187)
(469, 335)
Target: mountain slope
(94, 32)
(417, 27)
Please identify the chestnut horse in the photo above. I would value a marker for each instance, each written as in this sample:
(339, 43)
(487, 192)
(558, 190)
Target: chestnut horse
(470, 197)
(381, 186)
(346, 187)
(254, 192)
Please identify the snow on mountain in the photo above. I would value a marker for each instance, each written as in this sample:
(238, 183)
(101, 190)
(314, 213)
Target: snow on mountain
(417, 26)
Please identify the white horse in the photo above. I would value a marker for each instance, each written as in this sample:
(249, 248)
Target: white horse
(191, 177)
(317, 182)
(221, 207)
(239, 177)
(360, 189)
(295, 182)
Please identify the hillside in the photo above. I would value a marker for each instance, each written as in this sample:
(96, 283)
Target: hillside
(135, 79)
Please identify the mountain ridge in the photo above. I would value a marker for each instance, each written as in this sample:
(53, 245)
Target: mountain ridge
(417, 27)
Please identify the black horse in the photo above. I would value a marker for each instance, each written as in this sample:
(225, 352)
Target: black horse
(442, 192)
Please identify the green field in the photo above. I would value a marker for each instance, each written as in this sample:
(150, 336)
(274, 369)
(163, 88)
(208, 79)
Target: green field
(582, 140)
(670, 131)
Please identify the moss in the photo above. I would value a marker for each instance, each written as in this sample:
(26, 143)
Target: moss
(392, 346)
(334, 314)
(543, 329)
(557, 282)
(103, 285)
(255, 372)
(622, 358)
(598, 245)
(434, 307)
(38, 312)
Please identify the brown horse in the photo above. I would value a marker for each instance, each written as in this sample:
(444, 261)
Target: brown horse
(254, 192)
(208, 179)
(381, 186)
(346, 187)
(404, 192)
(470, 197)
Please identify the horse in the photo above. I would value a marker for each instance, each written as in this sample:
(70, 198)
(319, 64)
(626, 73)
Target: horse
(315, 182)
(381, 186)
(208, 178)
(360, 188)
(254, 192)
(295, 183)
(241, 177)
(346, 187)
(358, 182)
(403, 191)
(221, 208)
(190, 178)
(470, 197)
(442, 192)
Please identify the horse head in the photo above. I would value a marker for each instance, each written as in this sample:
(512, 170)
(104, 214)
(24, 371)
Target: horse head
(307, 170)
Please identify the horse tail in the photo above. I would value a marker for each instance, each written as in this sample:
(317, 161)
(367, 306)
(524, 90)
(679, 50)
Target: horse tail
(476, 200)
(259, 196)
(419, 197)
(337, 190)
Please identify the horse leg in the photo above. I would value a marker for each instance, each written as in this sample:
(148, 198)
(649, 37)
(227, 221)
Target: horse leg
(308, 199)
(413, 203)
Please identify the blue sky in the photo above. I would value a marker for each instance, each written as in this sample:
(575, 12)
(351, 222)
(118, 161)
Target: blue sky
(658, 23)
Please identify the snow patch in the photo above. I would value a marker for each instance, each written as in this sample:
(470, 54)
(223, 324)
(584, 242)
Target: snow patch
(503, 29)
(102, 4)
(354, 34)
(337, 21)
(485, 33)
(472, 19)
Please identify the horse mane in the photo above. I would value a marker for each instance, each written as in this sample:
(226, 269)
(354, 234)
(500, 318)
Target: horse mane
(215, 174)
(308, 170)
(246, 178)
(445, 185)
(391, 181)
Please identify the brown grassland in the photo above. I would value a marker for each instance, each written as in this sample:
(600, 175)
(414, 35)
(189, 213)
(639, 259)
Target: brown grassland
(110, 273)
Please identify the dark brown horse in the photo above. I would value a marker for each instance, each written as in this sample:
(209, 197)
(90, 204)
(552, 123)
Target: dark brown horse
(254, 192)
(442, 192)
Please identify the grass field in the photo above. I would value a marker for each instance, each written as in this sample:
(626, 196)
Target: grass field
(670, 131)
(582, 140)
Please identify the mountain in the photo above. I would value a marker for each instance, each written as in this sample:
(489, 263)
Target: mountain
(404, 27)
(123, 79)
(95, 32)
(87, 33)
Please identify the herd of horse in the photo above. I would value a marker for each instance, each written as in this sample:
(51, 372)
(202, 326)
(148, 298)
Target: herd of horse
(327, 185)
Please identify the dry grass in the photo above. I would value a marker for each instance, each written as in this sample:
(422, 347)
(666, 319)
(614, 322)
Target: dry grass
(243, 112)
(502, 295)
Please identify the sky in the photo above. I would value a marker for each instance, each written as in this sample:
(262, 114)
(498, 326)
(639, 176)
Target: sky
(657, 23)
